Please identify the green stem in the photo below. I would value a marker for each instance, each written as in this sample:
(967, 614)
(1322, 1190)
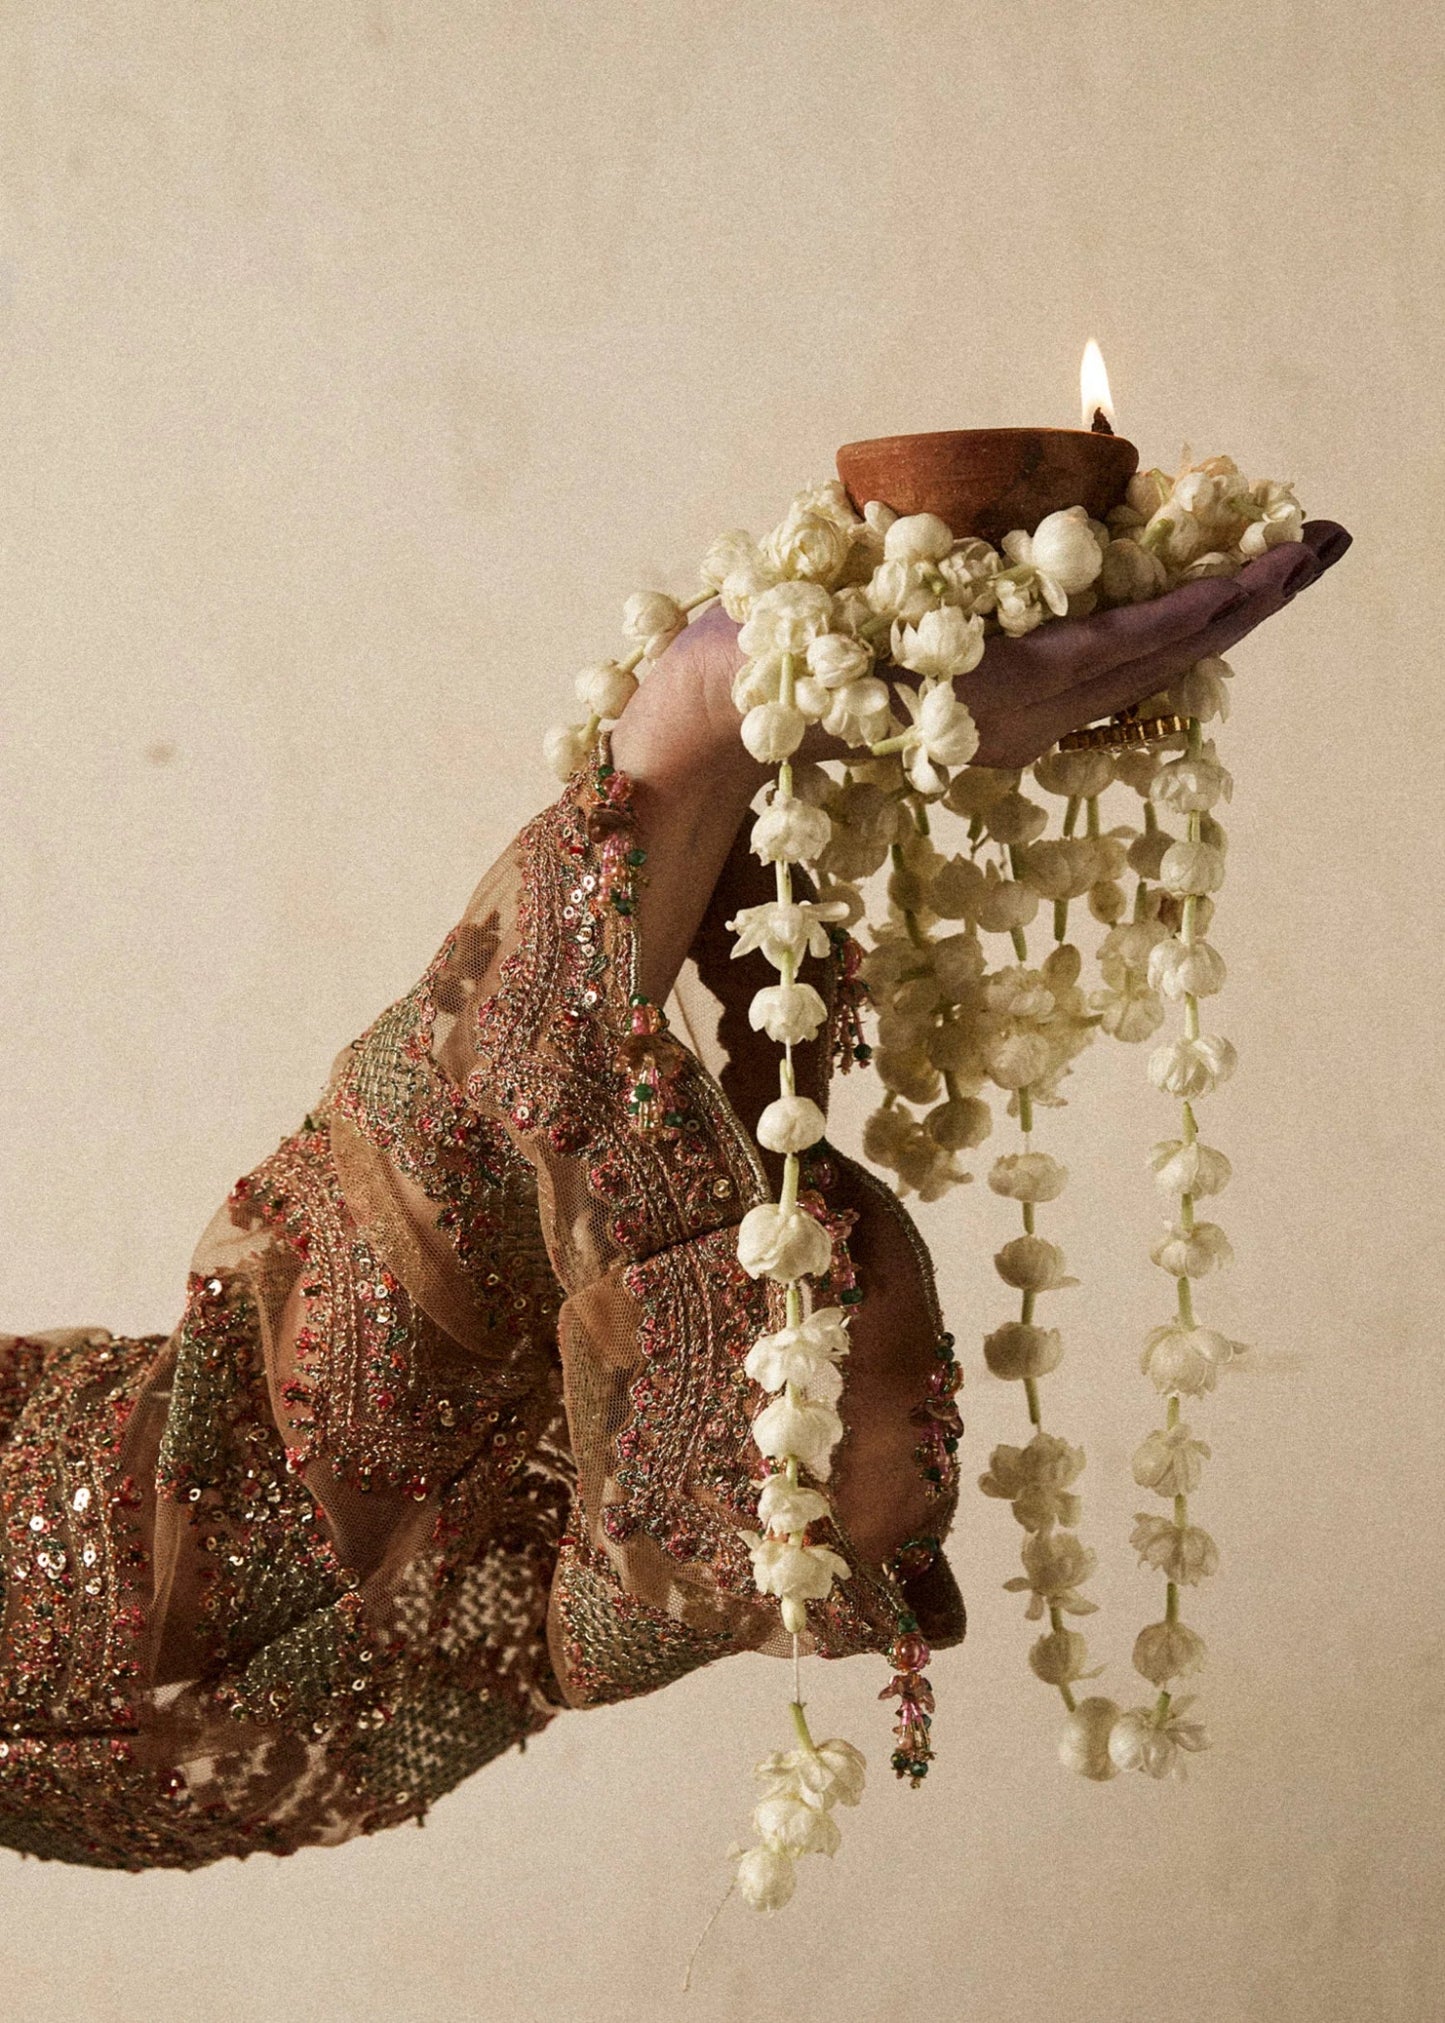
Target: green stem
(800, 1726)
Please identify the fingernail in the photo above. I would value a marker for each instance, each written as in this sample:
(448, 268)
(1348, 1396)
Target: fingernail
(1331, 549)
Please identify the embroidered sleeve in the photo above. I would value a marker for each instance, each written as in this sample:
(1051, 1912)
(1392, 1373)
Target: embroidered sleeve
(644, 1171)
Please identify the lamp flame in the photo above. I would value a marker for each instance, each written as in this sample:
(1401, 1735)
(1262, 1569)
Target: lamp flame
(1094, 395)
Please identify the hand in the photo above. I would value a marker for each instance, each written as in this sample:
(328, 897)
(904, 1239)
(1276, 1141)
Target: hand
(678, 737)
(1025, 694)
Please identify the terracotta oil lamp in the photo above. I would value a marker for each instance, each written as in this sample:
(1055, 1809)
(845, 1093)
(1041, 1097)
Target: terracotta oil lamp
(989, 481)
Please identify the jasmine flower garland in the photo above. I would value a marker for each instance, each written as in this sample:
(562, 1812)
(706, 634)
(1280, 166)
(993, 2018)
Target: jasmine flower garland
(861, 623)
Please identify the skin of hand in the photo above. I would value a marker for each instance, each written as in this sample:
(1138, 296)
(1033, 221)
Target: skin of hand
(678, 737)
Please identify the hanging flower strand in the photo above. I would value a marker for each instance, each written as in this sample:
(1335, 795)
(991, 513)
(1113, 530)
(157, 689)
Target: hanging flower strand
(1046, 1026)
(1182, 1358)
(861, 623)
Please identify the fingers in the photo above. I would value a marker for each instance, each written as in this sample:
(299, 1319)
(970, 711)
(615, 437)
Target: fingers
(1057, 657)
(1328, 539)
(1266, 586)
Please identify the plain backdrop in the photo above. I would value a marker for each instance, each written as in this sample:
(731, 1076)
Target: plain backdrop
(356, 360)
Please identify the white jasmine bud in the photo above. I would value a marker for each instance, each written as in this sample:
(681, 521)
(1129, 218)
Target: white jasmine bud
(800, 1355)
(1185, 1166)
(918, 537)
(809, 545)
(788, 1824)
(799, 1429)
(960, 1123)
(1032, 1264)
(789, 1013)
(791, 1124)
(1084, 1744)
(788, 1508)
(1191, 1068)
(1059, 1657)
(942, 645)
(783, 1244)
(1065, 549)
(772, 731)
(1191, 1253)
(1170, 1461)
(606, 689)
(1186, 1359)
(565, 747)
(1017, 1059)
(1003, 904)
(1190, 785)
(766, 1879)
(790, 831)
(794, 1572)
(1036, 1480)
(785, 930)
(652, 621)
(1179, 970)
(835, 659)
(1165, 1651)
(1080, 775)
(1019, 1349)
(729, 553)
(1202, 692)
(1055, 1563)
(1183, 1553)
(1191, 867)
(1144, 1740)
(786, 619)
(1028, 1176)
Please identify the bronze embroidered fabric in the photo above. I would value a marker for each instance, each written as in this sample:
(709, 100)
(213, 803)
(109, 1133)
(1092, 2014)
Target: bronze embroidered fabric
(453, 1432)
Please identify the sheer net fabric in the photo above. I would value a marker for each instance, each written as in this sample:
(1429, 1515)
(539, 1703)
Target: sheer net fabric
(454, 1430)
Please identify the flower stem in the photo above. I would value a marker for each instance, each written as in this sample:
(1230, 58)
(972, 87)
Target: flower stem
(800, 1725)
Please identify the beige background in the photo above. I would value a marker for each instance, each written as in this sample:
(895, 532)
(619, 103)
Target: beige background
(357, 361)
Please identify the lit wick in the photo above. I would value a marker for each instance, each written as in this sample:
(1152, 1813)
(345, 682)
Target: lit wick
(1095, 398)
